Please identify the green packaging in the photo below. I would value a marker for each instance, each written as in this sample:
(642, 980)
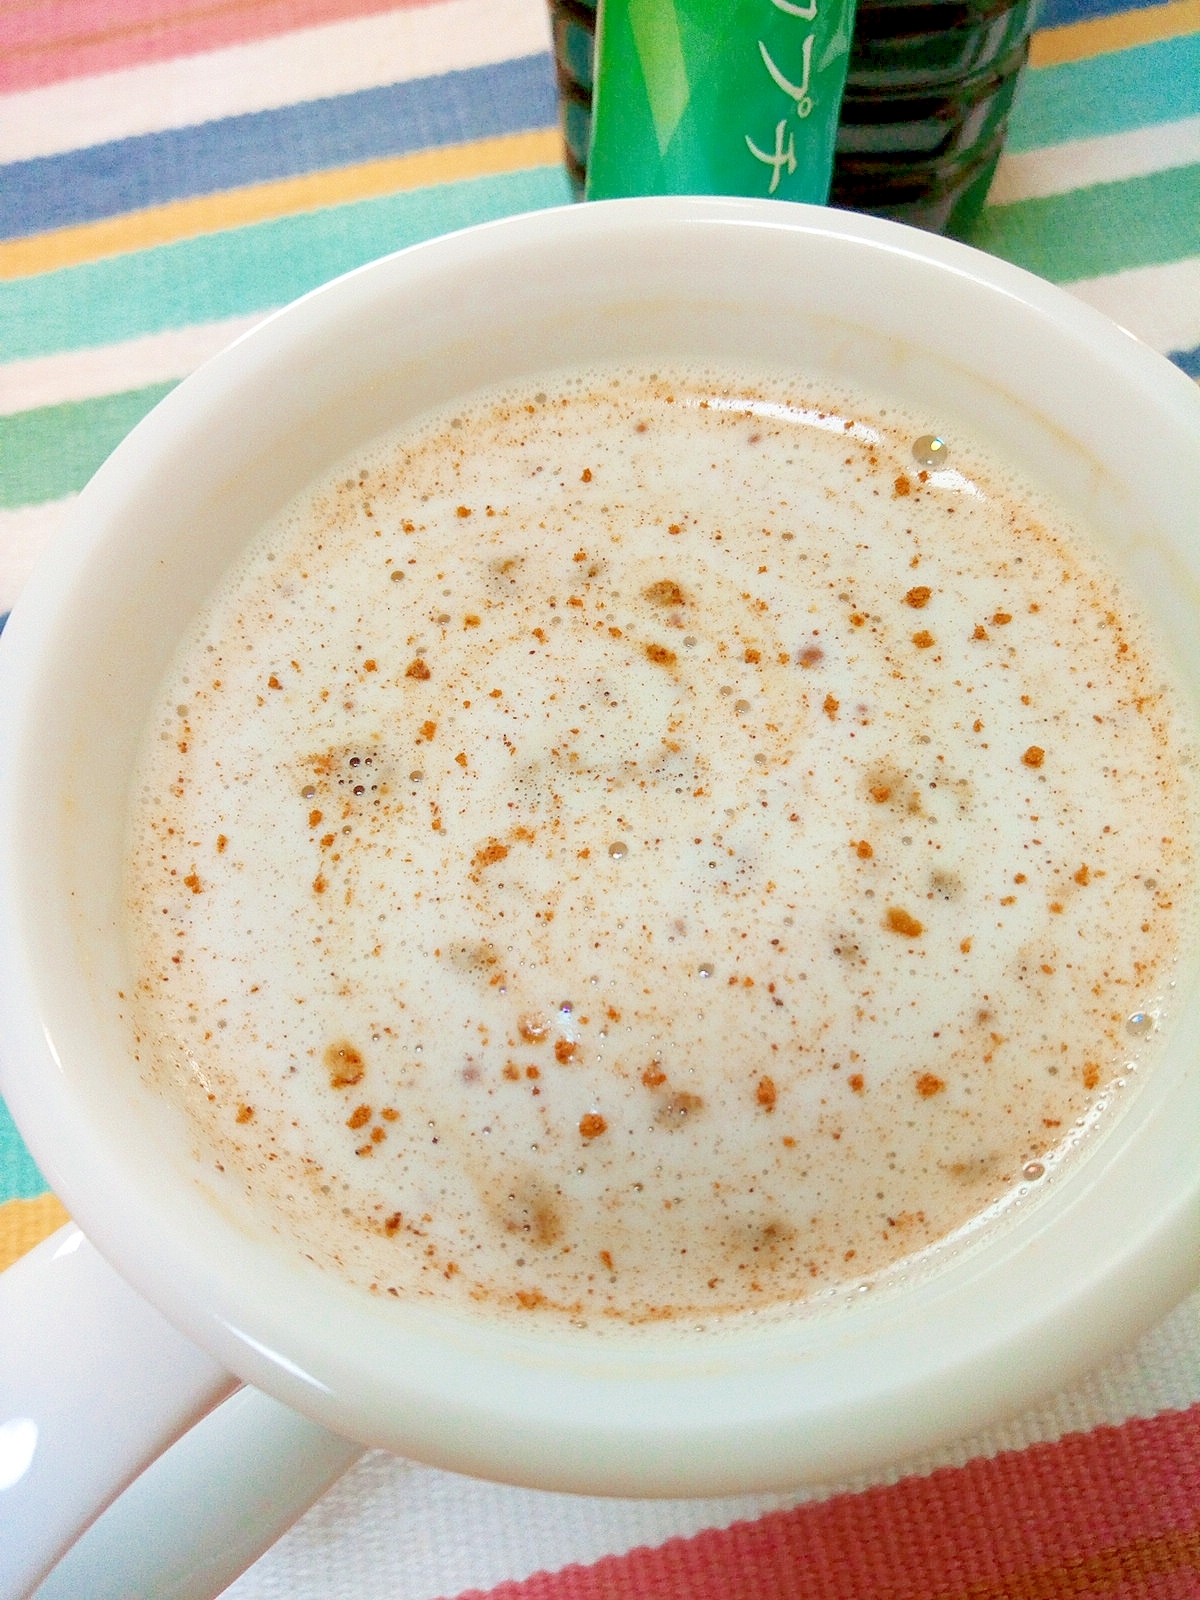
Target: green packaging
(718, 97)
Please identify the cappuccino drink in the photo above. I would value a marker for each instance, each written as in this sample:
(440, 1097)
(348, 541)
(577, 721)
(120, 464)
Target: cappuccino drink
(653, 846)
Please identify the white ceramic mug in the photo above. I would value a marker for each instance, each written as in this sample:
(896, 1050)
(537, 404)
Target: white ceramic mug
(1103, 1251)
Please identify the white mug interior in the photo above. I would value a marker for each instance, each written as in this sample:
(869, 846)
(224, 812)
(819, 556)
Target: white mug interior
(1075, 404)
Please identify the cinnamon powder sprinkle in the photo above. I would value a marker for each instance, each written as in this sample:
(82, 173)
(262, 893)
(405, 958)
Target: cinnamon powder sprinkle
(899, 921)
(1034, 756)
(417, 669)
(665, 592)
(345, 1065)
(928, 1084)
(592, 1125)
(489, 854)
(918, 597)
(765, 1095)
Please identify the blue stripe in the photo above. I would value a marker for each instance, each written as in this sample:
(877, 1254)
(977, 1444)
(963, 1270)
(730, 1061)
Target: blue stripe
(131, 174)
(1055, 13)
(1189, 360)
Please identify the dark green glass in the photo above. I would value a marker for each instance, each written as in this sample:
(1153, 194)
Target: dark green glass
(923, 113)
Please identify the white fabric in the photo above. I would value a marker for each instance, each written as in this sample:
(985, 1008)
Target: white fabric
(1110, 158)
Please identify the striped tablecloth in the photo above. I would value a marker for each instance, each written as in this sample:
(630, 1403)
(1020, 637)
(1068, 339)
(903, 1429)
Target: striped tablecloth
(171, 170)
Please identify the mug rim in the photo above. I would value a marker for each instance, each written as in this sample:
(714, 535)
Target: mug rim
(606, 1418)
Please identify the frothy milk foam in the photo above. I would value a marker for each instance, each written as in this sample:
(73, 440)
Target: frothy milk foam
(648, 846)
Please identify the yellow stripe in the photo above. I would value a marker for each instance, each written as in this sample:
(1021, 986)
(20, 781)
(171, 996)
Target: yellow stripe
(24, 1223)
(1077, 40)
(234, 208)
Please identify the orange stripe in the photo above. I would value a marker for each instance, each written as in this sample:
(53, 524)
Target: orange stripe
(1102, 1572)
(24, 1223)
(235, 208)
(1077, 40)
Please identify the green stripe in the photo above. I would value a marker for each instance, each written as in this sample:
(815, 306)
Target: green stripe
(1114, 93)
(19, 1178)
(53, 451)
(1111, 227)
(248, 269)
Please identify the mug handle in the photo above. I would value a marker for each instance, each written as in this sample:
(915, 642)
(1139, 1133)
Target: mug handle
(94, 1386)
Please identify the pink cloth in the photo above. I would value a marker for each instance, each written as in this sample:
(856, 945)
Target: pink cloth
(1114, 1512)
(76, 38)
